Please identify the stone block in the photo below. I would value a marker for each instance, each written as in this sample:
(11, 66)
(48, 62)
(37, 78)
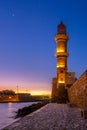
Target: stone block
(84, 114)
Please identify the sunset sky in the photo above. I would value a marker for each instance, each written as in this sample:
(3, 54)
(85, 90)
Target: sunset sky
(27, 46)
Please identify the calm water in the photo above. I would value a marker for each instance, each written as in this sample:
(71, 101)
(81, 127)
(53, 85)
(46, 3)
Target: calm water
(7, 111)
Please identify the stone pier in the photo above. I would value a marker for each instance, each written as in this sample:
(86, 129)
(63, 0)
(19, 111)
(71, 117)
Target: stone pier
(53, 116)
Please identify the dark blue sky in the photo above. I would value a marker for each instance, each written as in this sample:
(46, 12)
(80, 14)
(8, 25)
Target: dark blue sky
(27, 46)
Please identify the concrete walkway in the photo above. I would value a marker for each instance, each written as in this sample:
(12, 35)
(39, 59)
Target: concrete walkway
(51, 117)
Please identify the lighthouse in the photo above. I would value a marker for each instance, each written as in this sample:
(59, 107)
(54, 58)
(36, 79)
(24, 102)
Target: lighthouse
(64, 79)
(59, 91)
(61, 54)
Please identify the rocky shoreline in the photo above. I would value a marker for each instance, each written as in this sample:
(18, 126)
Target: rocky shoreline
(29, 109)
(52, 116)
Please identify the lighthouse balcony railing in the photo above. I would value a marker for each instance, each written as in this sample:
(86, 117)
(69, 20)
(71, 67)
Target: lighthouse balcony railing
(61, 54)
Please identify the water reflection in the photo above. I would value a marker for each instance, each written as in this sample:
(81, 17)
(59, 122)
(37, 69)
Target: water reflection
(7, 111)
(10, 109)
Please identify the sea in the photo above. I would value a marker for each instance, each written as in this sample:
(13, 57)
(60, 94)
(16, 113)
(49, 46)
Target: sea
(7, 112)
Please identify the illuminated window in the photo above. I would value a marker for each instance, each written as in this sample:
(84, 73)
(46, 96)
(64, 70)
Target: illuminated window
(61, 81)
(9, 97)
(60, 50)
(61, 65)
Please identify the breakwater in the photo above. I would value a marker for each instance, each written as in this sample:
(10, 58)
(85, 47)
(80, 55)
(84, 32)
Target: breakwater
(29, 109)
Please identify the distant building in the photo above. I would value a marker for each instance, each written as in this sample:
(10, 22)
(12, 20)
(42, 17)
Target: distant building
(24, 97)
(8, 96)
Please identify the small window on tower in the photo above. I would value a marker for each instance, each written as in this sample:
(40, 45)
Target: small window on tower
(61, 79)
(61, 71)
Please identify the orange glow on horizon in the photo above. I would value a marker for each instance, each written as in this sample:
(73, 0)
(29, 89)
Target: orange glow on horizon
(40, 93)
(32, 92)
(33, 88)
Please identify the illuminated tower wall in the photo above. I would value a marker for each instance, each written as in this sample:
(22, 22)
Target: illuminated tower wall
(61, 54)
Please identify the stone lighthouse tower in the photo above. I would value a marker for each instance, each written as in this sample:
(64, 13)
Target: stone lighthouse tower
(59, 82)
(61, 54)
